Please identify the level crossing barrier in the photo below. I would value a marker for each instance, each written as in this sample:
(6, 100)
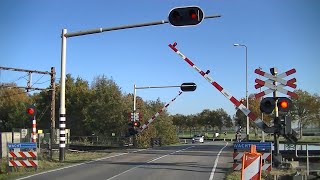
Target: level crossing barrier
(233, 100)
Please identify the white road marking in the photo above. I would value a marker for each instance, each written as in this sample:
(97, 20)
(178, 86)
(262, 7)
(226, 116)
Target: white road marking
(149, 162)
(108, 157)
(216, 163)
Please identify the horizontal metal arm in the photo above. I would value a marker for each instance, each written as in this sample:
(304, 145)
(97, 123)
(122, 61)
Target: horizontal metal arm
(149, 87)
(100, 30)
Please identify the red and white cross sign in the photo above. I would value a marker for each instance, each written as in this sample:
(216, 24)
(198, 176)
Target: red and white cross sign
(271, 83)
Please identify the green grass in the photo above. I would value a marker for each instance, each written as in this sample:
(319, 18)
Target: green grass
(45, 165)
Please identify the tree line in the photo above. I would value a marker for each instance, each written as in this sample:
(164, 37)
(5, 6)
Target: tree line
(102, 109)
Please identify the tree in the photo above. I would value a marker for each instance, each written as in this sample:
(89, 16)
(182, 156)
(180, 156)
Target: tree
(13, 105)
(161, 127)
(225, 119)
(104, 113)
(305, 109)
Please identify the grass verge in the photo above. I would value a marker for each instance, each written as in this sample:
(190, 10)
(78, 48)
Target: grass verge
(45, 165)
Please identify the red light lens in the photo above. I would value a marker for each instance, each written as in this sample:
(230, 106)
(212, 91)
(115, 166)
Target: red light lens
(194, 16)
(136, 124)
(30, 111)
(284, 104)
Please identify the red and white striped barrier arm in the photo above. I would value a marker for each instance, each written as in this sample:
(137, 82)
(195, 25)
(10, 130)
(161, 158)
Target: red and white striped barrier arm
(144, 126)
(239, 105)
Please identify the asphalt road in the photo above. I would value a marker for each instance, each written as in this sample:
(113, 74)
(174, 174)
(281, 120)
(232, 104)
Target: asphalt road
(207, 161)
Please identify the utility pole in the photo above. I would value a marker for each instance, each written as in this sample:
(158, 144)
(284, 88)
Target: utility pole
(53, 110)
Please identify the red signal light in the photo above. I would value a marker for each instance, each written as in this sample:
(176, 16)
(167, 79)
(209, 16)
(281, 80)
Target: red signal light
(30, 111)
(136, 124)
(284, 104)
(193, 14)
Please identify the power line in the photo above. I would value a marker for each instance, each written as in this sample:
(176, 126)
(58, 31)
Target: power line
(37, 80)
(19, 78)
(43, 82)
(14, 94)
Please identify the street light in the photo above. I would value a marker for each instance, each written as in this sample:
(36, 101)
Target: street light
(247, 129)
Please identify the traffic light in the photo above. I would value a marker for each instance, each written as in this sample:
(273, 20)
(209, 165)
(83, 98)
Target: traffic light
(284, 104)
(185, 16)
(31, 110)
(136, 124)
(188, 87)
(131, 130)
(267, 105)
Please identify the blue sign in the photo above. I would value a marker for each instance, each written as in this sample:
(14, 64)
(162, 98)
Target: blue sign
(247, 145)
(22, 145)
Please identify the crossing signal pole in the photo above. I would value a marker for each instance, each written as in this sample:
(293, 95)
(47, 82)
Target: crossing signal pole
(279, 105)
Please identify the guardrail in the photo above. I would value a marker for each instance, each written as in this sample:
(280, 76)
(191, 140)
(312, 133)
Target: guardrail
(307, 156)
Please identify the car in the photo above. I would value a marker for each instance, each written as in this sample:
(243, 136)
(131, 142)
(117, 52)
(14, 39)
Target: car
(198, 138)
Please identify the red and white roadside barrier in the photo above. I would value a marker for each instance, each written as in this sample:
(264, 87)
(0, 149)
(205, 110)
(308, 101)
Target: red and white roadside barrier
(19, 159)
(266, 161)
(251, 165)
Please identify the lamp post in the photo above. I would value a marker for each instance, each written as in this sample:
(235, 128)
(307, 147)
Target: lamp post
(247, 100)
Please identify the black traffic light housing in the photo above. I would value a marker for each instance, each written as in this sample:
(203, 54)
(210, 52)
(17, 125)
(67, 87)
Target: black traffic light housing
(131, 130)
(188, 86)
(267, 105)
(185, 16)
(287, 125)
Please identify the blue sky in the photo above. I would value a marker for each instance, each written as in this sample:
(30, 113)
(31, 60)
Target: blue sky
(283, 34)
